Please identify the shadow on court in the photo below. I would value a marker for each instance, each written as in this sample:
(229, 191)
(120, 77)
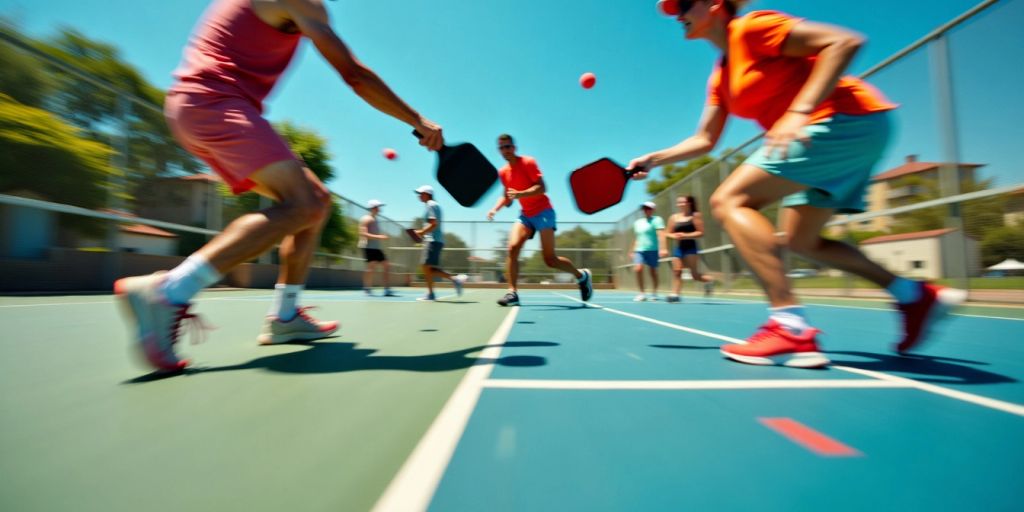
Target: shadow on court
(335, 357)
(933, 369)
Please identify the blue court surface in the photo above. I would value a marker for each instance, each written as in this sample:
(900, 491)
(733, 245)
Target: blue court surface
(630, 406)
(462, 405)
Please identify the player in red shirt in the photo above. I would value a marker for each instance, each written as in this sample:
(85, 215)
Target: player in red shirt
(523, 180)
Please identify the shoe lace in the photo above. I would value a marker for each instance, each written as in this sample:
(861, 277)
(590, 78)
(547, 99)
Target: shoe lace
(302, 313)
(765, 332)
(194, 322)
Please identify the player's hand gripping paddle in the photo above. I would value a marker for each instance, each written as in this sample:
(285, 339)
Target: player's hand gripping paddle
(414, 235)
(464, 172)
(599, 185)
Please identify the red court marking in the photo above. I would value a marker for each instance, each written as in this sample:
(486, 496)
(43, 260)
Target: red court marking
(809, 438)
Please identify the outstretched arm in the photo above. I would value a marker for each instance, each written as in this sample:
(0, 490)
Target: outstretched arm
(712, 122)
(311, 18)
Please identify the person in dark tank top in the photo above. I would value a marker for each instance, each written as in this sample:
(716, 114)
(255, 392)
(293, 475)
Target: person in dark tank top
(687, 226)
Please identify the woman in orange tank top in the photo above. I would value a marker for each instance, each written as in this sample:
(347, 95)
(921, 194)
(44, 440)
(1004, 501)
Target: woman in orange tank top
(825, 133)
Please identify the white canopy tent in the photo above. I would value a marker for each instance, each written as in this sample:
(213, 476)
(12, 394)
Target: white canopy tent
(1007, 264)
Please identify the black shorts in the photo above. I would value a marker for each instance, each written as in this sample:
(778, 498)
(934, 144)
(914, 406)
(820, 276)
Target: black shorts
(374, 255)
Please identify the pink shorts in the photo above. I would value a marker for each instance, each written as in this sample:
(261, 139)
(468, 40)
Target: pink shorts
(228, 133)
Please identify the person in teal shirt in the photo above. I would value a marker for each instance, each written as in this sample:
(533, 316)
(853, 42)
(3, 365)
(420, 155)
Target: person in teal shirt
(649, 246)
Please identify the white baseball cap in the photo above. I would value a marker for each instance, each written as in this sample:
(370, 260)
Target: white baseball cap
(649, 204)
(425, 189)
(374, 203)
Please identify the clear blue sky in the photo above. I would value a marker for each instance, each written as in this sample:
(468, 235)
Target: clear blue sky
(482, 67)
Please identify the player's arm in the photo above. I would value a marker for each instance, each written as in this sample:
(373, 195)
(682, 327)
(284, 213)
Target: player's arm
(312, 19)
(503, 201)
(709, 129)
(428, 227)
(536, 190)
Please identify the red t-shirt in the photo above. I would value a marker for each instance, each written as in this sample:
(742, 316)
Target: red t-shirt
(759, 83)
(521, 175)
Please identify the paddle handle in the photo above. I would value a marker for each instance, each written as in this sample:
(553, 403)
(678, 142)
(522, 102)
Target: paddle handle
(631, 173)
(420, 136)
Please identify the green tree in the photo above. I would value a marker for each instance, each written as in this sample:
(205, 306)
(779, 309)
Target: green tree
(23, 79)
(980, 216)
(1002, 243)
(149, 148)
(77, 170)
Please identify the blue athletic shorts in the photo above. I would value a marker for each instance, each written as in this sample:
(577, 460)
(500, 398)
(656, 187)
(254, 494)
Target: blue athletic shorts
(541, 221)
(681, 253)
(432, 253)
(838, 163)
(649, 258)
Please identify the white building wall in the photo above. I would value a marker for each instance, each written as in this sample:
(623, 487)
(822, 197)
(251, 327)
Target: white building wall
(919, 258)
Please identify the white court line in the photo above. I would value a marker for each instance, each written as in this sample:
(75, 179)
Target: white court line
(415, 484)
(991, 403)
(692, 384)
(739, 300)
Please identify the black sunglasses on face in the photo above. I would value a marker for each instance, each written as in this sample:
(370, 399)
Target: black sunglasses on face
(506, 146)
(682, 6)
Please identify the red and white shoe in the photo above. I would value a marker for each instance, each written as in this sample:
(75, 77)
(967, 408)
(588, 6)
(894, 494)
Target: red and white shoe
(157, 323)
(301, 328)
(918, 317)
(773, 344)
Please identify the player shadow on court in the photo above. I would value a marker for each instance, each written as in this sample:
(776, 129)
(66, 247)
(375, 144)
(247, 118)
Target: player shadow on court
(554, 307)
(688, 347)
(337, 357)
(932, 369)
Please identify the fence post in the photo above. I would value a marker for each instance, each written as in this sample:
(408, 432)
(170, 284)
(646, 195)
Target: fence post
(949, 171)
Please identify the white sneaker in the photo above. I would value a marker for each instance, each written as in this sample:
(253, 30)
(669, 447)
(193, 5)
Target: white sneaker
(652, 297)
(157, 323)
(459, 282)
(640, 298)
(301, 328)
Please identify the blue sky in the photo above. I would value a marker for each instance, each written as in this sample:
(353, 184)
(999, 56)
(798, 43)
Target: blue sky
(482, 68)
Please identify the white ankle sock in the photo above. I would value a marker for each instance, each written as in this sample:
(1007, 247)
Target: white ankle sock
(790, 317)
(184, 281)
(286, 298)
(904, 290)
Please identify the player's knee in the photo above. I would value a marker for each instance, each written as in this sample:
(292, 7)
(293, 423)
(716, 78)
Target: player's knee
(551, 260)
(720, 204)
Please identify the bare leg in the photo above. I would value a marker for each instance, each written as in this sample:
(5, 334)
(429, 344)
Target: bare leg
(386, 271)
(735, 204)
(803, 225)
(303, 203)
(677, 276)
(516, 239)
(654, 279)
(692, 262)
(638, 269)
(428, 276)
(552, 260)
(368, 275)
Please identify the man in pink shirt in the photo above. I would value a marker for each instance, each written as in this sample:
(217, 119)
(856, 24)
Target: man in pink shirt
(234, 58)
(523, 180)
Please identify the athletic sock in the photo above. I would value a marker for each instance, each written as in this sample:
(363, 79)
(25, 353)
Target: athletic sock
(184, 281)
(790, 317)
(904, 290)
(286, 298)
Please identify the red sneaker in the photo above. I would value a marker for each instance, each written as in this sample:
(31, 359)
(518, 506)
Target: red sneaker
(774, 344)
(935, 303)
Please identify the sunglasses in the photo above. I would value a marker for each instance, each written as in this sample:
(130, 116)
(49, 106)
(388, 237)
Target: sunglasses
(506, 146)
(675, 7)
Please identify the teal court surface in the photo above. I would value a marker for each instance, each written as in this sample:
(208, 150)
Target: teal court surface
(461, 405)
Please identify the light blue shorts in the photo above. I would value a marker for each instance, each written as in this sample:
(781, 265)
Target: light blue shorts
(649, 258)
(838, 163)
(541, 221)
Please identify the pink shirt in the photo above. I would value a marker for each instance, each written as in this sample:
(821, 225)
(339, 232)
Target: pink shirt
(233, 52)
